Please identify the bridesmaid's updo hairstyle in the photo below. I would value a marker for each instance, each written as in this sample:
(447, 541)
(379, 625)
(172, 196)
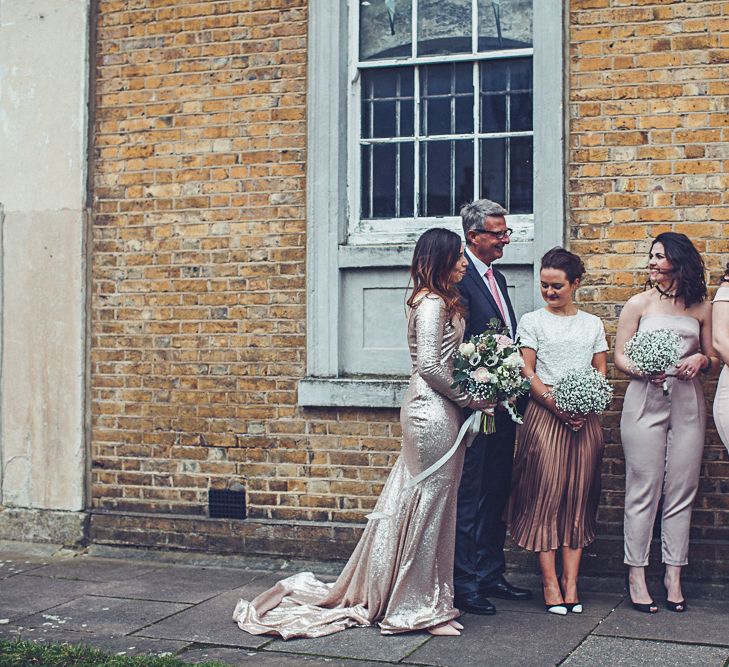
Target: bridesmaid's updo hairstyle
(434, 259)
(564, 260)
(689, 272)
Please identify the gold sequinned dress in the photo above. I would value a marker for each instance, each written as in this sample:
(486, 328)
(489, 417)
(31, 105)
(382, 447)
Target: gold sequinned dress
(400, 575)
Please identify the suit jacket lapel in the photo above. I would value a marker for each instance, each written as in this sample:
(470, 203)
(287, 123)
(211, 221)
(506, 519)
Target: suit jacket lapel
(472, 273)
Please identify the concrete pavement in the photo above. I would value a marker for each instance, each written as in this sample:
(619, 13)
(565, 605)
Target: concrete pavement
(137, 602)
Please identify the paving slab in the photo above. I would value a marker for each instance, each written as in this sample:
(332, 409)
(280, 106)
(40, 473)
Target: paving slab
(211, 622)
(83, 568)
(597, 605)
(103, 615)
(507, 638)
(179, 584)
(114, 645)
(11, 566)
(362, 643)
(232, 656)
(705, 622)
(620, 652)
(22, 594)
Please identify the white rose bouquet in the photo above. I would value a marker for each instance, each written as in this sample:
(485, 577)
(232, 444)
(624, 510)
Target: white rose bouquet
(488, 367)
(581, 391)
(654, 352)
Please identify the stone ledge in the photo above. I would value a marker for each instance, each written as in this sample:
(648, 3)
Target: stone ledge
(352, 392)
(42, 525)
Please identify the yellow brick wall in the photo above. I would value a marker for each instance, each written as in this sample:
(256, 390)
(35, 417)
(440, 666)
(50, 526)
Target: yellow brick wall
(198, 305)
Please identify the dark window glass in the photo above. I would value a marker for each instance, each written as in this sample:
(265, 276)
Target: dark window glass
(493, 170)
(384, 179)
(446, 176)
(446, 98)
(521, 170)
(506, 95)
(387, 103)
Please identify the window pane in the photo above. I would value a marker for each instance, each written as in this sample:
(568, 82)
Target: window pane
(446, 176)
(508, 161)
(493, 170)
(444, 26)
(384, 178)
(382, 35)
(447, 98)
(407, 180)
(388, 180)
(506, 24)
(387, 103)
(521, 175)
(366, 171)
(506, 95)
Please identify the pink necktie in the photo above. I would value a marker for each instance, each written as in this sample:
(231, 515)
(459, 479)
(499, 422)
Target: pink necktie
(495, 293)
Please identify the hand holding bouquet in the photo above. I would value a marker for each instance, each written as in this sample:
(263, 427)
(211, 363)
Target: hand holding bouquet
(488, 368)
(654, 352)
(582, 391)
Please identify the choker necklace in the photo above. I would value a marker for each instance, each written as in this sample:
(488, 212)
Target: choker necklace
(665, 293)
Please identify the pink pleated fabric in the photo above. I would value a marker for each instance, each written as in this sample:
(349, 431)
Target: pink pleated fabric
(400, 575)
(556, 482)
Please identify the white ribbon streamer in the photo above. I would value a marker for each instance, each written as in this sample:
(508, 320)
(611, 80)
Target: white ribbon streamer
(469, 430)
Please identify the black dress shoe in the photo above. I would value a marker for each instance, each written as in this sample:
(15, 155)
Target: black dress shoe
(504, 590)
(473, 603)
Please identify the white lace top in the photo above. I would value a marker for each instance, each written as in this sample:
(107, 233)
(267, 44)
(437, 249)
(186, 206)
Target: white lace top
(561, 342)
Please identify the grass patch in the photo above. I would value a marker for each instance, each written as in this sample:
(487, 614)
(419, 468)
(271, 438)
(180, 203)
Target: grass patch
(26, 654)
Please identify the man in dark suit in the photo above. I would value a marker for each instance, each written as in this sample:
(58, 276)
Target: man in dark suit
(486, 480)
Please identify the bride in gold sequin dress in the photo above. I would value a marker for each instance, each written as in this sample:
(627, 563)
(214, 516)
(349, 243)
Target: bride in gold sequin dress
(400, 575)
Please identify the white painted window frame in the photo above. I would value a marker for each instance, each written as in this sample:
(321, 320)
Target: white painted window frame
(331, 138)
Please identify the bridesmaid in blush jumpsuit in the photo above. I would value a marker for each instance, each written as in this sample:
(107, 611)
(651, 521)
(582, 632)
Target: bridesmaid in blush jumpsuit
(663, 436)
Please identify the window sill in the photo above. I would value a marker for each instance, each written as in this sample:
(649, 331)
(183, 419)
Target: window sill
(352, 392)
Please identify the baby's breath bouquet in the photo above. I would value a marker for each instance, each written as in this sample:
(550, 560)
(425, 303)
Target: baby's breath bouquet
(654, 352)
(488, 367)
(581, 391)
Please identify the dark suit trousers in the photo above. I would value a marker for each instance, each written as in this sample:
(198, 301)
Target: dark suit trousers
(482, 498)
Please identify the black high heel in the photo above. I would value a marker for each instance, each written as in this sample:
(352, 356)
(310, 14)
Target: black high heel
(678, 607)
(644, 607)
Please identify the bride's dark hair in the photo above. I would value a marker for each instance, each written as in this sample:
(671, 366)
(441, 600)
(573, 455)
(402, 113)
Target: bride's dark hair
(689, 272)
(434, 259)
(725, 277)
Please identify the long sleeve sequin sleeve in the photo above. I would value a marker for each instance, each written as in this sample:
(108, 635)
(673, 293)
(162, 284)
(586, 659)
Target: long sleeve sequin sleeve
(430, 323)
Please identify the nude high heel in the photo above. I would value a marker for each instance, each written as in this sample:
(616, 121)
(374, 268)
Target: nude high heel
(444, 630)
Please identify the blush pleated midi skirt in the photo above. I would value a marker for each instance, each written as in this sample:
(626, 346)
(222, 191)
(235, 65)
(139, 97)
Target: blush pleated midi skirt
(556, 482)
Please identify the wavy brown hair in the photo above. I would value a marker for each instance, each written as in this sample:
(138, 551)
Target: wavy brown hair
(689, 272)
(725, 277)
(435, 256)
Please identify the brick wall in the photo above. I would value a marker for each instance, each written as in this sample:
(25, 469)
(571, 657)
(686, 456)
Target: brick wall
(198, 306)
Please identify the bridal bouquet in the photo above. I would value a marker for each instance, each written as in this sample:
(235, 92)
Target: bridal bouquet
(582, 391)
(653, 352)
(488, 367)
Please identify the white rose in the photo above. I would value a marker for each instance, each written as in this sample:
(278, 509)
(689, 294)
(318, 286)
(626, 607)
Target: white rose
(466, 349)
(514, 360)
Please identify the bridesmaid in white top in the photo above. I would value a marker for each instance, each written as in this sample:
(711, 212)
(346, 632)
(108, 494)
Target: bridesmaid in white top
(720, 337)
(556, 479)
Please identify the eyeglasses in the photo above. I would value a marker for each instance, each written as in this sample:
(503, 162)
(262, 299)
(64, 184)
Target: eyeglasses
(499, 235)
